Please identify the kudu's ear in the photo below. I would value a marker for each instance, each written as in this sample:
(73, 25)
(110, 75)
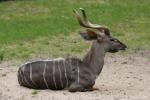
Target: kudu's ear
(89, 35)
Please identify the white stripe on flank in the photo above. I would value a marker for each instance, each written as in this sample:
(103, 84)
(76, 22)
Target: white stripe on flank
(60, 75)
(65, 73)
(71, 68)
(78, 71)
(25, 77)
(44, 72)
(19, 75)
(54, 75)
(31, 77)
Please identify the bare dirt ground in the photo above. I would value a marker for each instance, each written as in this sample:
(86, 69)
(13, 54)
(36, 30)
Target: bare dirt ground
(123, 78)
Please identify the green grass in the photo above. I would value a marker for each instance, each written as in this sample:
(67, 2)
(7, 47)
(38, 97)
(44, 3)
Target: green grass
(34, 93)
(34, 28)
(1, 55)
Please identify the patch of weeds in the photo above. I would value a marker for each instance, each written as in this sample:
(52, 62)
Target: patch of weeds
(1, 55)
(34, 92)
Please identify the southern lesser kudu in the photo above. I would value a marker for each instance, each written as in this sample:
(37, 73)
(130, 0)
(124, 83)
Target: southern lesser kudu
(72, 73)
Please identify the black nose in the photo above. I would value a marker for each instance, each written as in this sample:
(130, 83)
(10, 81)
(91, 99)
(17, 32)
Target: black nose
(124, 47)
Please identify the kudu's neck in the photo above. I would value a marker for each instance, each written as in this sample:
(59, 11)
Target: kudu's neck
(94, 59)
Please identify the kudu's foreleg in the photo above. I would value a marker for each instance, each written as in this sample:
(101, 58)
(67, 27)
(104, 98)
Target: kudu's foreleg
(81, 88)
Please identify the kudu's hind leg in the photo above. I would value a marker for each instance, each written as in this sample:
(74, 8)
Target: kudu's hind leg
(92, 89)
(81, 88)
(75, 88)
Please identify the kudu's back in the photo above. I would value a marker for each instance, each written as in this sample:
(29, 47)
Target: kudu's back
(55, 74)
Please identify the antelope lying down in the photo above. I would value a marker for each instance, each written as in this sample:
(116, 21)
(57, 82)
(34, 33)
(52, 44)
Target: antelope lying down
(72, 73)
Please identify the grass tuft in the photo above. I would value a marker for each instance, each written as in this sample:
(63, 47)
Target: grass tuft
(34, 92)
(1, 55)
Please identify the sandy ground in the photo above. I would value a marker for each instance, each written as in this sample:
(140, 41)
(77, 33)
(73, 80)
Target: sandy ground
(123, 78)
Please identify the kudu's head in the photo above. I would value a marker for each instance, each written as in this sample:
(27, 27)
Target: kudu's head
(101, 34)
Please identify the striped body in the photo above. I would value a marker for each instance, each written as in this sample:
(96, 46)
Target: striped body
(49, 74)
